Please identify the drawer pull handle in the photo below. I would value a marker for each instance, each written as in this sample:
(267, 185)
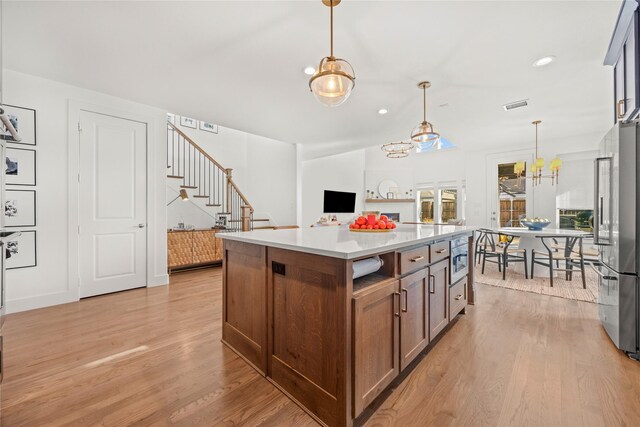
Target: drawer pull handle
(416, 259)
(396, 313)
(441, 251)
(458, 298)
(406, 300)
(621, 109)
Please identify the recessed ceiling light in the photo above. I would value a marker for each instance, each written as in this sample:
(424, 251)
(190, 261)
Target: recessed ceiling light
(309, 71)
(383, 111)
(545, 60)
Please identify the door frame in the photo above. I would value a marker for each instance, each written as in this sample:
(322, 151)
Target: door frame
(492, 179)
(156, 273)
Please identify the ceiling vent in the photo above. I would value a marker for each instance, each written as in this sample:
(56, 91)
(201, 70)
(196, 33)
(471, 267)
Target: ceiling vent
(514, 105)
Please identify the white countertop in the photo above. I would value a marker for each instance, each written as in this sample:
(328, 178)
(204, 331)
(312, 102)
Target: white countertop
(523, 231)
(339, 242)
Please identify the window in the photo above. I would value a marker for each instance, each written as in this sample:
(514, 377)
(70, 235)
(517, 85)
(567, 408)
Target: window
(448, 204)
(427, 205)
(442, 144)
(441, 202)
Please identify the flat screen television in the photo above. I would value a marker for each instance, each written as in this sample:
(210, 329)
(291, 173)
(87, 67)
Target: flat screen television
(339, 202)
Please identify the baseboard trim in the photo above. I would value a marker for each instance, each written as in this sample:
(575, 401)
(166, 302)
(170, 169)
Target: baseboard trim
(40, 301)
(160, 280)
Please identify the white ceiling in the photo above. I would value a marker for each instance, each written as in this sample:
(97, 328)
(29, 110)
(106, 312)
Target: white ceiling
(239, 64)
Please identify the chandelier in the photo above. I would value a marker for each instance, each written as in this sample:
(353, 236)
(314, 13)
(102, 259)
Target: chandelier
(333, 82)
(538, 165)
(424, 133)
(398, 149)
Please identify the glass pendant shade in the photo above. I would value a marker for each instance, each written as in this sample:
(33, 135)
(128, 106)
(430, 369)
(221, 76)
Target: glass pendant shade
(539, 163)
(424, 133)
(519, 167)
(333, 82)
(555, 164)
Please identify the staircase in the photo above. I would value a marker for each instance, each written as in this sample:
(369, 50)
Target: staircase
(204, 178)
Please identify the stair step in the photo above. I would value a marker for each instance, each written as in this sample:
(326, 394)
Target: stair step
(267, 227)
(225, 213)
(253, 220)
(198, 196)
(188, 186)
(213, 204)
(175, 176)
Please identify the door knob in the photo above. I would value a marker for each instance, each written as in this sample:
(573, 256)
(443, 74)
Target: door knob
(140, 225)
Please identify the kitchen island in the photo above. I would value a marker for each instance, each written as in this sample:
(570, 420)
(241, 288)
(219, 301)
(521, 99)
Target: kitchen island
(332, 343)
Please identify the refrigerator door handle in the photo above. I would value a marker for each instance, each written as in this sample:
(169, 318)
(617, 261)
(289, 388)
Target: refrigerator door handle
(599, 204)
(596, 212)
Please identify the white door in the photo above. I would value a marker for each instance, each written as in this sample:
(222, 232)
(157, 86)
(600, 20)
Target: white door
(496, 192)
(113, 208)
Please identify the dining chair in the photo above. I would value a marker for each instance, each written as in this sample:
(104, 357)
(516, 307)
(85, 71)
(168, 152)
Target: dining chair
(499, 246)
(480, 236)
(556, 253)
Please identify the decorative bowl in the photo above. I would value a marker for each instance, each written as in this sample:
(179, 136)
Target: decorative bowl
(535, 223)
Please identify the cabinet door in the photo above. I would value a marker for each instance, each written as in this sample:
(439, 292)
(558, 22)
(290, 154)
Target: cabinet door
(618, 75)
(203, 246)
(180, 248)
(438, 298)
(630, 72)
(376, 327)
(414, 316)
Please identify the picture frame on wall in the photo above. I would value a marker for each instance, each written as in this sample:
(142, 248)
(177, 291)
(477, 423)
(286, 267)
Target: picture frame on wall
(209, 127)
(21, 251)
(20, 208)
(24, 121)
(188, 122)
(20, 166)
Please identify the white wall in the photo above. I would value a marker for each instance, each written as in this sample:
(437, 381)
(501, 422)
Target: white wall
(341, 172)
(191, 212)
(453, 166)
(51, 282)
(264, 169)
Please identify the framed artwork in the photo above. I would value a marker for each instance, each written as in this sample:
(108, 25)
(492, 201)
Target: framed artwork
(20, 166)
(209, 127)
(20, 208)
(21, 251)
(24, 121)
(189, 122)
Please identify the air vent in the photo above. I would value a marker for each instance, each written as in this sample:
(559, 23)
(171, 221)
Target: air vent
(514, 105)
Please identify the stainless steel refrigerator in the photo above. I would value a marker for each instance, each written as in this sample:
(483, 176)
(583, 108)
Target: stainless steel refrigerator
(617, 234)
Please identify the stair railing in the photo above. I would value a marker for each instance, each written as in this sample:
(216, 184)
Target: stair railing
(199, 171)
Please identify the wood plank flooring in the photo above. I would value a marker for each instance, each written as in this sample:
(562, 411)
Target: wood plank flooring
(154, 357)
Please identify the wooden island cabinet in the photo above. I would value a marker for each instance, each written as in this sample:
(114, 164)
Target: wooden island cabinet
(333, 344)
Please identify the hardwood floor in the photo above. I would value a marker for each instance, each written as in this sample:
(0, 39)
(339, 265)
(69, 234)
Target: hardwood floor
(154, 357)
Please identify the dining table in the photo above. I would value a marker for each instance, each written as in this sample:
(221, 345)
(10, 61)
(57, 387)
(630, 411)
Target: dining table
(528, 240)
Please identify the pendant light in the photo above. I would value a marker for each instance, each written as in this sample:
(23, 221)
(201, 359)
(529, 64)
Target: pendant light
(333, 82)
(424, 133)
(398, 149)
(538, 165)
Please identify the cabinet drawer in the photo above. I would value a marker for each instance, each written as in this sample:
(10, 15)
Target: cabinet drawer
(439, 251)
(457, 297)
(413, 259)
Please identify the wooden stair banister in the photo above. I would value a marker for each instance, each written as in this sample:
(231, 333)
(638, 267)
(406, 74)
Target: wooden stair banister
(202, 172)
